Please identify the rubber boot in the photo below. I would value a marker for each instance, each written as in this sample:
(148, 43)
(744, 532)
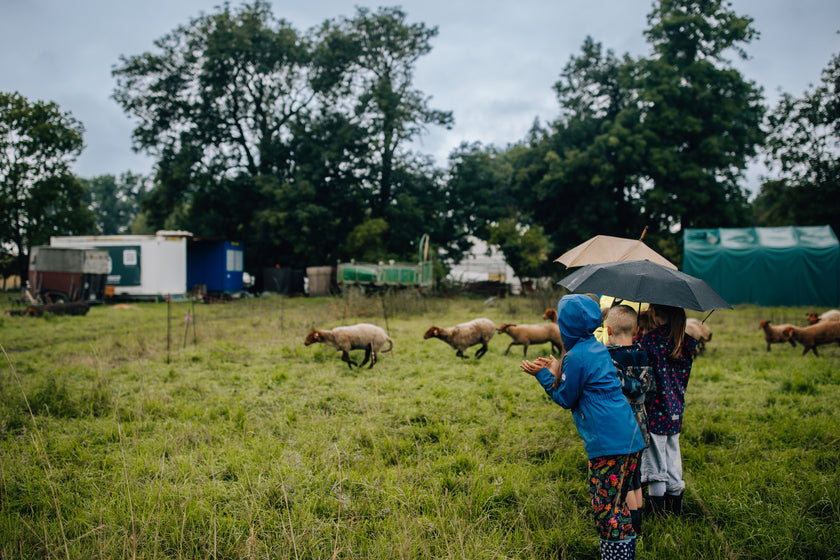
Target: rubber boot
(618, 550)
(673, 504)
(636, 517)
(656, 505)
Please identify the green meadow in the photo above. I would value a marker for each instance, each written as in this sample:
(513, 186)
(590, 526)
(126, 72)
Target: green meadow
(210, 431)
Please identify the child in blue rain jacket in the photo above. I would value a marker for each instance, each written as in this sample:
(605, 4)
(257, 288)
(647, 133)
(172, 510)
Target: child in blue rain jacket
(590, 388)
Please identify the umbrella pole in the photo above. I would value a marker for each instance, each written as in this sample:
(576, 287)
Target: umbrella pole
(643, 233)
(709, 315)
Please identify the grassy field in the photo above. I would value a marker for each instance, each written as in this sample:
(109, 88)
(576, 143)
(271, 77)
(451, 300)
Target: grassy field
(132, 432)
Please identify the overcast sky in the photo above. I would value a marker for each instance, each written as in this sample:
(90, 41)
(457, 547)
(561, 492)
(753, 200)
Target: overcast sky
(492, 64)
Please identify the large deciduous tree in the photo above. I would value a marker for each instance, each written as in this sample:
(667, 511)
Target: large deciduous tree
(39, 196)
(392, 110)
(284, 140)
(803, 149)
(702, 118)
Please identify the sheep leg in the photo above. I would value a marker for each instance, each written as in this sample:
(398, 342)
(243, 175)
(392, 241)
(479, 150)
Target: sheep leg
(792, 342)
(346, 357)
(367, 356)
(525, 351)
(460, 354)
(481, 351)
(508, 348)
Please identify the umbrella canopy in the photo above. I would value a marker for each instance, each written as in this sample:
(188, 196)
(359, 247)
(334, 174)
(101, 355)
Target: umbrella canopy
(645, 281)
(606, 248)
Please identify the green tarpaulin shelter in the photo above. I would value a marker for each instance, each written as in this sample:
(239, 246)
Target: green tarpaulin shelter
(773, 266)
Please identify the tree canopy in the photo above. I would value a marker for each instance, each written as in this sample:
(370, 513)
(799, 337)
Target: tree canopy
(39, 196)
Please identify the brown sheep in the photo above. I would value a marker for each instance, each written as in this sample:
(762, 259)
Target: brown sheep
(774, 334)
(363, 336)
(812, 336)
(533, 334)
(699, 331)
(831, 315)
(462, 336)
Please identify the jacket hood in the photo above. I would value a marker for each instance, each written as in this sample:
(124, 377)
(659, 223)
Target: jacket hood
(577, 316)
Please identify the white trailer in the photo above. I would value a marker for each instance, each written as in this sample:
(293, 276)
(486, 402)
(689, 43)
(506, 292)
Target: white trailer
(142, 266)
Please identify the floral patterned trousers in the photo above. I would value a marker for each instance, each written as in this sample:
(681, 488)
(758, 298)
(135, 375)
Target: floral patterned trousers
(609, 481)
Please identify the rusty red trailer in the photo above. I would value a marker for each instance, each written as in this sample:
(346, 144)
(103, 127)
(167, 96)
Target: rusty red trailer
(63, 274)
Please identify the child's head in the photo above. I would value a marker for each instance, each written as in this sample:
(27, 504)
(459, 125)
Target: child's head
(674, 317)
(622, 325)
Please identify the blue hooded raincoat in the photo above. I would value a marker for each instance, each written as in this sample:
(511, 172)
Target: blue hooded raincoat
(590, 386)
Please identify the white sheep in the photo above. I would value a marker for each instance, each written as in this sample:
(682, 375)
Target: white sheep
(362, 336)
(831, 315)
(533, 334)
(462, 336)
(699, 331)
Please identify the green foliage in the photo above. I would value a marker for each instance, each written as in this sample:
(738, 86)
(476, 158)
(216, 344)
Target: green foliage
(39, 197)
(803, 147)
(115, 203)
(283, 140)
(526, 249)
(248, 444)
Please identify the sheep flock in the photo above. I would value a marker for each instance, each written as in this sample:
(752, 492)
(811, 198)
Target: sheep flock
(821, 329)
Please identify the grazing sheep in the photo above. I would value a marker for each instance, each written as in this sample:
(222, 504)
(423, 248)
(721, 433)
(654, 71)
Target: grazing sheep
(773, 334)
(363, 336)
(699, 331)
(533, 334)
(832, 315)
(812, 336)
(462, 336)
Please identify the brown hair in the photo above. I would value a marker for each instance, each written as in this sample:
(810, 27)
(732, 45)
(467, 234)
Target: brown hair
(674, 317)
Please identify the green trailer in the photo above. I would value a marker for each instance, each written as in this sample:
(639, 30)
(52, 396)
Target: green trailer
(392, 274)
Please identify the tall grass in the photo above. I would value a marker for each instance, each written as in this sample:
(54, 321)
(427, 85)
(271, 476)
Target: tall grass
(230, 439)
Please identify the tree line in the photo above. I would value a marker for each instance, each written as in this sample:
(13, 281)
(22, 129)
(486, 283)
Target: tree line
(298, 144)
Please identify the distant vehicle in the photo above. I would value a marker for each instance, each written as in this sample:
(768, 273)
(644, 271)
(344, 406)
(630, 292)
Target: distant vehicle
(64, 275)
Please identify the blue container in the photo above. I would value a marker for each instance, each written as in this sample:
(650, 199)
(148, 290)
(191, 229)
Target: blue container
(218, 265)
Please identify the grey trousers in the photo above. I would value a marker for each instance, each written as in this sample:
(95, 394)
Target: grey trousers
(661, 462)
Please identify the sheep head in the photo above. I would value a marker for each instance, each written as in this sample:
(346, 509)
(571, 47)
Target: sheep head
(763, 324)
(504, 327)
(813, 318)
(313, 337)
(432, 332)
(550, 314)
(787, 332)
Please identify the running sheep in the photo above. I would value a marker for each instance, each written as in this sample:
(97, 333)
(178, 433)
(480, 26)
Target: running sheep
(824, 332)
(774, 334)
(362, 336)
(533, 334)
(462, 336)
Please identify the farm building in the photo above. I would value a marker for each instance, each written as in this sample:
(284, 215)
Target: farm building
(773, 266)
(142, 266)
(484, 265)
(215, 265)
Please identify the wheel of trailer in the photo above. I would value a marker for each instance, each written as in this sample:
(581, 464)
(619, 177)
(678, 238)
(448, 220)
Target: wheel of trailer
(56, 297)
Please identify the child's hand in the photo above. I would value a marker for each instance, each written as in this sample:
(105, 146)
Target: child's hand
(554, 366)
(530, 368)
